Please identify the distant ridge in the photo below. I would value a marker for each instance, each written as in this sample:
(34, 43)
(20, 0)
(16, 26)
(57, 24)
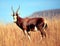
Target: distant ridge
(47, 13)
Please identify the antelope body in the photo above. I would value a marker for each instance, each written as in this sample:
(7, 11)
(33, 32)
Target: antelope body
(29, 24)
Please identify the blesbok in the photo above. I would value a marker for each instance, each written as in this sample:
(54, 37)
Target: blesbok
(30, 24)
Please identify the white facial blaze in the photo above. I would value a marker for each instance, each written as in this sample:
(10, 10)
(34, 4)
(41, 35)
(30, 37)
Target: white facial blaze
(15, 18)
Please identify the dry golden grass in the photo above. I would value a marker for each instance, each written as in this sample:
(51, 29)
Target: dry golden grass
(12, 35)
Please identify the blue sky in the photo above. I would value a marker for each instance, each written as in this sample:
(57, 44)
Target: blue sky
(27, 7)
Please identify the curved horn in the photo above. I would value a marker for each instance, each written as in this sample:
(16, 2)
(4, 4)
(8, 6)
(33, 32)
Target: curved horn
(18, 9)
(12, 9)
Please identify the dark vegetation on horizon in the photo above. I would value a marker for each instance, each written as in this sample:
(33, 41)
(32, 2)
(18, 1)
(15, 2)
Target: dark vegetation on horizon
(47, 13)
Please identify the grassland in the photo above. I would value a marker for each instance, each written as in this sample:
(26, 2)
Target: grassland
(12, 35)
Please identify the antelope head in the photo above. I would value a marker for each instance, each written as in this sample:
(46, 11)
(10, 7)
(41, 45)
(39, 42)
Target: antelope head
(15, 14)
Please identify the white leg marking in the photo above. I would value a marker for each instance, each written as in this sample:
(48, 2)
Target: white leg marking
(29, 37)
(29, 32)
(41, 38)
(35, 28)
(44, 26)
(25, 32)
